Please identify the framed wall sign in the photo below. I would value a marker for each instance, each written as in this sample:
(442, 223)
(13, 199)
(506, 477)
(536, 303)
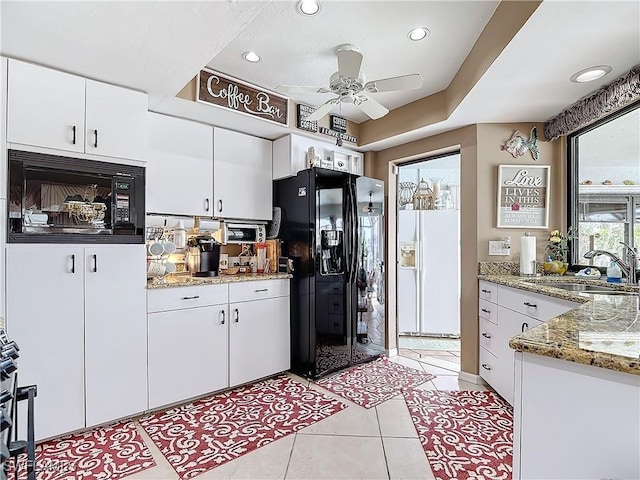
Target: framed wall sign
(227, 92)
(303, 112)
(523, 196)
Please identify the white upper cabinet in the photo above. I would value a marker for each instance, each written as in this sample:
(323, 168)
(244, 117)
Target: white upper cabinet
(180, 158)
(116, 121)
(45, 107)
(51, 109)
(242, 171)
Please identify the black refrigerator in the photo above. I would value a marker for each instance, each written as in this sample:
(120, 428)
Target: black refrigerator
(332, 227)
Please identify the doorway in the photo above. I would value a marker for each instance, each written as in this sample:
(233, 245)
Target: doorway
(428, 269)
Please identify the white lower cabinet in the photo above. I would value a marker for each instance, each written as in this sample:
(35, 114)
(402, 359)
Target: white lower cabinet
(80, 324)
(188, 345)
(505, 312)
(259, 342)
(209, 337)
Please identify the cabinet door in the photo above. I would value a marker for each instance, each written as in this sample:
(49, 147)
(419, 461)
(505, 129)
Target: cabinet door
(259, 339)
(115, 332)
(180, 159)
(188, 353)
(45, 311)
(241, 176)
(45, 107)
(119, 116)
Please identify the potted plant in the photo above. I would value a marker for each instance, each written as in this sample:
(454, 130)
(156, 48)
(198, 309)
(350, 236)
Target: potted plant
(557, 250)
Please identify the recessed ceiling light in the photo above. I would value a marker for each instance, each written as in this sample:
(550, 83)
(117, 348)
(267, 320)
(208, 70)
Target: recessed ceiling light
(252, 57)
(590, 74)
(418, 33)
(308, 7)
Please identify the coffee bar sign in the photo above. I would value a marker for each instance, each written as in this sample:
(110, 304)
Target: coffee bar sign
(523, 196)
(223, 91)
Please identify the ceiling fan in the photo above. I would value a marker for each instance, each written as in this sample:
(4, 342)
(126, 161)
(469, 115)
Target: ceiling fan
(370, 209)
(350, 86)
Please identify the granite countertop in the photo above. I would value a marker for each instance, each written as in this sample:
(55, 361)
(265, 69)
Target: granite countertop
(187, 281)
(603, 331)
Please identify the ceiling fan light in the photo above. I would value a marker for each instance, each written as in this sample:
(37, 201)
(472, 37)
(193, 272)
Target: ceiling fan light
(418, 33)
(590, 74)
(308, 7)
(252, 57)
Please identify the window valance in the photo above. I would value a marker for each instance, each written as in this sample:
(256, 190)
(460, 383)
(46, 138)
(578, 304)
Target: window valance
(621, 92)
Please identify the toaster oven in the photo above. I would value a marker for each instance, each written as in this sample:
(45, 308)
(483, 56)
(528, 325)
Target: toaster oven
(241, 233)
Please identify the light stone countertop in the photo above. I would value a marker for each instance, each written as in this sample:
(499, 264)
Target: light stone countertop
(604, 331)
(187, 281)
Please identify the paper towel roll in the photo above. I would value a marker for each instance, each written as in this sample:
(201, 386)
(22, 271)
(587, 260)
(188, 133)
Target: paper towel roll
(527, 255)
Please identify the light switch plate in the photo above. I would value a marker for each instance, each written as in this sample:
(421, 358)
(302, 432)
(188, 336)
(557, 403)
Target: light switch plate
(496, 247)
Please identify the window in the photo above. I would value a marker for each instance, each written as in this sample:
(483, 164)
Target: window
(604, 186)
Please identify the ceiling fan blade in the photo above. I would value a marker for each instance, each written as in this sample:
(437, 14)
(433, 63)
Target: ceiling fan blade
(405, 82)
(369, 106)
(301, 89)
(349, 61)
(322, 110)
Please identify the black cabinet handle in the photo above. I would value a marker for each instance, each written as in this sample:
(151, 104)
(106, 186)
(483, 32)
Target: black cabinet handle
(206, 204)
(220, 205)
(532, 305)
(486, 367)
(191, 298)
(525, 326)
(95, 263)
(486, 311)
(237, 315)
(486, 335)
(261, 290)
(73, 129)
(73, 264)
(96, 133)
(486, 291)
(223, 315)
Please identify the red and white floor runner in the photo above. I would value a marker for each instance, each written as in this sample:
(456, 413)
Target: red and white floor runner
(199, 436)
(466, 435)
(372, 383)
(107, 453)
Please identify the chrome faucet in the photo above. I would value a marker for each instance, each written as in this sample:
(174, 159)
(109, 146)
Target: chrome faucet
(628, 268)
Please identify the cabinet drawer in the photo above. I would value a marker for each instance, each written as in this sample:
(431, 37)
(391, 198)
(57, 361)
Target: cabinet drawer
(488, 366)
(489, 337)
(258, 290)
(488, 310)
(534, 305)
(488, 291)
(165, 299)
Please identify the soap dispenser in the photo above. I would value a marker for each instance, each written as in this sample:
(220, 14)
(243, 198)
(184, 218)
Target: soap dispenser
(614, 274)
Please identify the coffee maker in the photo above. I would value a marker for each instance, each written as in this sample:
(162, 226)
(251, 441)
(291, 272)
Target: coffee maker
(203, 256)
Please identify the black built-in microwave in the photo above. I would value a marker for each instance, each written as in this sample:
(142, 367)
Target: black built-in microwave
(56, 199)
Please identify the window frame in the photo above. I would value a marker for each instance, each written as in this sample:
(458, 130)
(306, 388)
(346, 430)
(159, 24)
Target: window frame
(573, 200)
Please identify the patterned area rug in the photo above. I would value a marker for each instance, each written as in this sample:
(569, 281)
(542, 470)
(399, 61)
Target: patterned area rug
(202, 435)
(106, 453)
(466, 435)
(372, 383)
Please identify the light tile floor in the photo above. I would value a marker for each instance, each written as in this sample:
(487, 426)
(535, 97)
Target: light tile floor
(379, 442)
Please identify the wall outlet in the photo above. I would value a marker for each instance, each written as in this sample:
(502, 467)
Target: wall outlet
(498, 247)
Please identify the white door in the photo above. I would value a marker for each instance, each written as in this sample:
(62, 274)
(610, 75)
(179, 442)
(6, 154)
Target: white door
(188, 353)
(180, 159)
(45, 107)
(45, 312)
(259, 339)
(408, 272)
(440, 271)
(116, 121)
(115, 332)
(242, 171)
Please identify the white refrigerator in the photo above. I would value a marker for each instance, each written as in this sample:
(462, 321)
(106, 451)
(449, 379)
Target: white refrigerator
(429, 272)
